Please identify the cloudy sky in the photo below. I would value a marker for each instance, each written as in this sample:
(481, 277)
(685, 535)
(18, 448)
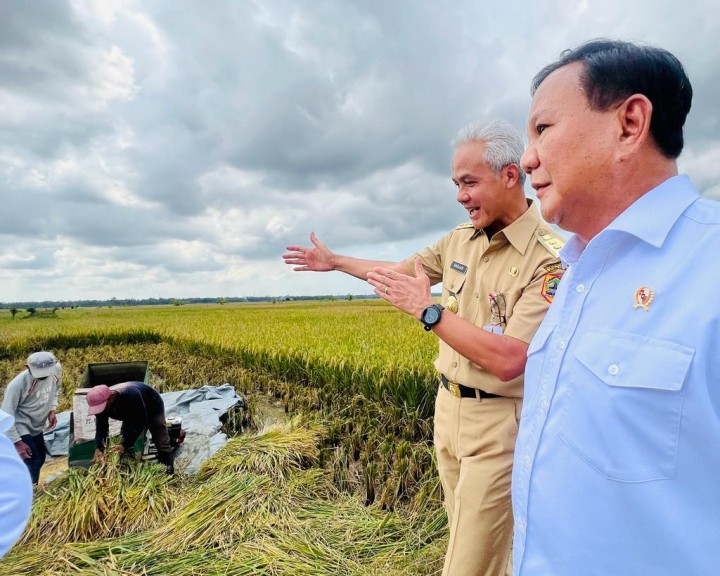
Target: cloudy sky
(174, 148)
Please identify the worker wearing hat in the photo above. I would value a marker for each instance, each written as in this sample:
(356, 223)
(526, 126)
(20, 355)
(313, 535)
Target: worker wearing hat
(31, 399)
(138, 406)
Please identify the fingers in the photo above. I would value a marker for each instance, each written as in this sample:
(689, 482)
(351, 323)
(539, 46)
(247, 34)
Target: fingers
(23, 450)
(384, 281)
(382, 277)
(295, 250)
(315, 240)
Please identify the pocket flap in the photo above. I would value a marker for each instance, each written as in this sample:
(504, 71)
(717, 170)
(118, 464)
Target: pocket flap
(538, 340)
(634, 361)
(453, 281)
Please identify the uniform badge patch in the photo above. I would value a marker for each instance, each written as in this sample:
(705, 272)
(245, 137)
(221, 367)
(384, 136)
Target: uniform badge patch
(553, 267)
(644, 297)
(549, 286)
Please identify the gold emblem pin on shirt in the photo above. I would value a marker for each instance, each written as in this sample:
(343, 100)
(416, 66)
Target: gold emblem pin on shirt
(513, 271)
(644, 297)
(452, 304)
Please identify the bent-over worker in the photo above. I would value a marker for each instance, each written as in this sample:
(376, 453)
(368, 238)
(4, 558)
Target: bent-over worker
(138, 406)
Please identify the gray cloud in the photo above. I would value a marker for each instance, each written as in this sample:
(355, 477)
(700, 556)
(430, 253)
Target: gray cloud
(177, 148)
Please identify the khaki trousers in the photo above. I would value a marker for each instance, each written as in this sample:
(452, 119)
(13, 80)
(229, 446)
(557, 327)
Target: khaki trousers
(474, 441)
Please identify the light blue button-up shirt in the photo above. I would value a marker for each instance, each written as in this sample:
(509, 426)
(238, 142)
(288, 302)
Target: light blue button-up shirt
(15, 490)
(617, 463)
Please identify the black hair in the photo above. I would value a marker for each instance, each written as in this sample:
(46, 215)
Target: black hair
(614, 70)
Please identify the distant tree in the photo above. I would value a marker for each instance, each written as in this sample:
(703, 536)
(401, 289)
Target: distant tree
(222, 300)
(32, 311)
(13, 311)
(349, 297)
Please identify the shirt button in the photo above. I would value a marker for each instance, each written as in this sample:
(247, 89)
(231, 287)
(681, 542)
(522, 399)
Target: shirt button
(521, 525)
(562, 344)
(580, 288)
(486, 259)
(613, 369)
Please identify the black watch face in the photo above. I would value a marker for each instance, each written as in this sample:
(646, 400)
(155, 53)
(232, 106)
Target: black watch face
(432, 315)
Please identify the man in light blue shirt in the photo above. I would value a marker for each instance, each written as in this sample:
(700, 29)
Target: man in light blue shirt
(617, 463)
(15, 489)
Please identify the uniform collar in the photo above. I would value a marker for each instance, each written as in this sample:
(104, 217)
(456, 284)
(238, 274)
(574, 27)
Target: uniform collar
(520, 232)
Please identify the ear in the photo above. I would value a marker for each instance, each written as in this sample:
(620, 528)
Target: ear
(511, 175)
(634, 117)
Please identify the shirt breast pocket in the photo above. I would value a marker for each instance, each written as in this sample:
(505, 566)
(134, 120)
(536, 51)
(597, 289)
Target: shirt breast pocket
(453, 281)
(535, 364)
(623, 411)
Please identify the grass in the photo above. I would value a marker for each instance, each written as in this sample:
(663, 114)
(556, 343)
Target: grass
(349, 486)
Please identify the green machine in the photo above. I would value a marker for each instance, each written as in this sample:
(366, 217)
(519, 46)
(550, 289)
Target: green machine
(81, 447)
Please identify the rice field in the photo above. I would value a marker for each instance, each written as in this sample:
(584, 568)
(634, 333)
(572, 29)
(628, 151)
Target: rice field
(346, 485)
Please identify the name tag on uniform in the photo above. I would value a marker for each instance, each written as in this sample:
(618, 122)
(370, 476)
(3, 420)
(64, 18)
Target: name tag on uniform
(459, 267)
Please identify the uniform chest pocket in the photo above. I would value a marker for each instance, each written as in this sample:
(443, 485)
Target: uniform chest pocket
(453, 281)
(622, 414)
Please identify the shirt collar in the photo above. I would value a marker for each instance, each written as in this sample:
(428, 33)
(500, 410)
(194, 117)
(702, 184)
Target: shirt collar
(650, 218)
(521, 231)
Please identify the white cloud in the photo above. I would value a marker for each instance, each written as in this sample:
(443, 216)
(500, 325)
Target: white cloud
(176, 148)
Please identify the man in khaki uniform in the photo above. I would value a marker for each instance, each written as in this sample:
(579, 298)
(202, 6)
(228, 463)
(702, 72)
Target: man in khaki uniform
(499, 274)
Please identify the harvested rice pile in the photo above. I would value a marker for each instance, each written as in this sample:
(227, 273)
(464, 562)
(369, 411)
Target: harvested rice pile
(260, 506)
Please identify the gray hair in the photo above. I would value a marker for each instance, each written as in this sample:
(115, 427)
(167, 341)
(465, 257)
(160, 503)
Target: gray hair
(503, 143)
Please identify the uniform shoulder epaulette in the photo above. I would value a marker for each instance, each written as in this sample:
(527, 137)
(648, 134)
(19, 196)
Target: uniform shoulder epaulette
(551, 242)
(465, 225)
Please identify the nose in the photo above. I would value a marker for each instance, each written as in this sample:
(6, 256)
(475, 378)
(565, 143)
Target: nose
(529, 160)
(462, 195)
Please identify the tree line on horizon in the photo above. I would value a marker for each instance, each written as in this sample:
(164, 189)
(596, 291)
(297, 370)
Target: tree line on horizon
(63, 304)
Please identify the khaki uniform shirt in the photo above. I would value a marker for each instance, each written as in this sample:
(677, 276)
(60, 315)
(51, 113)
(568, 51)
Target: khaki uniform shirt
(521, 263)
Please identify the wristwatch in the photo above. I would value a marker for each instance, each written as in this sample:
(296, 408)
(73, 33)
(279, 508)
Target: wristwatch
(431, 315)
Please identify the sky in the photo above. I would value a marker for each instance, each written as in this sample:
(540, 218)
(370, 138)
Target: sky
(173, 149)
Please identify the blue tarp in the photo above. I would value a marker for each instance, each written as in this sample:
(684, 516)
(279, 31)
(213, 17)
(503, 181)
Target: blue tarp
(200, 410)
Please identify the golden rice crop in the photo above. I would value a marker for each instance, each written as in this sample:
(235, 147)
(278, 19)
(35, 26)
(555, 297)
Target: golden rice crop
(278, 502)
(242, 523)
(112, 498)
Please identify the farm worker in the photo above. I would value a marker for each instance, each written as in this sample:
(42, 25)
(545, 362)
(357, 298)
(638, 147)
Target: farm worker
(138, 406)
(31, 399)
(499, 273)
(15, 489)
(618, 455)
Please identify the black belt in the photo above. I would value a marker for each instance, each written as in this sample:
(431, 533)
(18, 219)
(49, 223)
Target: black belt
(465, 391)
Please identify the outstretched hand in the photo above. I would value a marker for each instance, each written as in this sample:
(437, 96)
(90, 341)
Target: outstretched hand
(317, 259)
(411, 294)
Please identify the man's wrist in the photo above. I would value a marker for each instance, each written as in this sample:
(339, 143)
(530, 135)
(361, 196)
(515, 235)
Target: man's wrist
(431, 316)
